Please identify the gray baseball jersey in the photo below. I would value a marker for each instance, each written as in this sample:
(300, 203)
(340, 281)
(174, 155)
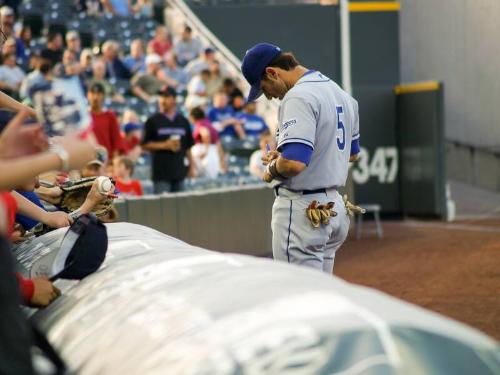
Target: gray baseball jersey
(318, 113)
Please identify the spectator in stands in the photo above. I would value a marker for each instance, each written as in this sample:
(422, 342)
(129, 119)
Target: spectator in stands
(146, 85)
(167, 135)
(176, 73)
(197, 94)
(104, 122)
(201, 63)
(73, 43)
(96, 167)
(90, 7)
(54, 49)
(253, 124)
(9, 47)
(23, 45)
(69, 66)
(7, 20)
(136, 61)
(236, 97)
(8, 25)
(86, 61)
(216, 80)
(25, 36)
(161, 42)
(144, 7)
(98, 77)
(123, 169)
(11, 75)
(133, 130)
(115, 68)
(14, 4)
(224, 119)
(120, 8)
(187, 48)
(266, 142)
(208, 154)
(39, 76)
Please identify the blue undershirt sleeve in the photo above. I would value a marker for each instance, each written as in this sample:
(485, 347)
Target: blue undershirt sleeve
(355, 147)
(297, 152)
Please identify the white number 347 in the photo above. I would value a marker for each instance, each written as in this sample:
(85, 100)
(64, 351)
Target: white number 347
(383, 164)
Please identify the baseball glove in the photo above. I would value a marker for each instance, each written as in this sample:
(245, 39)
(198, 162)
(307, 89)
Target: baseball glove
(320, 214)
(75, 193)
(352, 209)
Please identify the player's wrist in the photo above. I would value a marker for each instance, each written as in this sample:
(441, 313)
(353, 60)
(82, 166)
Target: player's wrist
(62, 154)
(272, 170)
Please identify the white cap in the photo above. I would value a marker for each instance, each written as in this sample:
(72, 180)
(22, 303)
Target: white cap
(153, 58)
(6, 11)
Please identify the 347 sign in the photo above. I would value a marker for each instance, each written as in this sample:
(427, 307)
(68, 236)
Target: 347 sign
(382, 164)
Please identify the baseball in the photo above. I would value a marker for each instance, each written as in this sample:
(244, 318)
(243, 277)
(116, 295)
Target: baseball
(104, 185)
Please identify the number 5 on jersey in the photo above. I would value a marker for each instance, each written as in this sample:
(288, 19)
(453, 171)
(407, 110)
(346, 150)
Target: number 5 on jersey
(340, 127)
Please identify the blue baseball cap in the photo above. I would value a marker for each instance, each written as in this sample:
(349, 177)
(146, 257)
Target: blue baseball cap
(254, 64)
(131, 126)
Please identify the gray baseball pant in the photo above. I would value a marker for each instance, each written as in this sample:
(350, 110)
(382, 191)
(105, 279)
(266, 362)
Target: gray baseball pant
(296, 241)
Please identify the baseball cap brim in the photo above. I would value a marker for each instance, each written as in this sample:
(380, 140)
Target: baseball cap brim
(98, 162)
(255, 92)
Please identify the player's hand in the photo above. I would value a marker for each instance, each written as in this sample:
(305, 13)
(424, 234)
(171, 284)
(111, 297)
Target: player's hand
(270, 156)
(266, 177)
(19, 140)
(58, 219)
(173, 145)
(17, 233)
(44, 292)
(93, 196)
(192, 171)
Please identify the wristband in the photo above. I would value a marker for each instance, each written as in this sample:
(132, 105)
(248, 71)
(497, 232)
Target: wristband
(75, 214)
(63, 155)
(272, 169)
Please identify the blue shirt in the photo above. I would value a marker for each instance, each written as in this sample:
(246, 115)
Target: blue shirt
(254, 125)
(120, 7)
(217, 115)
(135, 65)
(25, 221)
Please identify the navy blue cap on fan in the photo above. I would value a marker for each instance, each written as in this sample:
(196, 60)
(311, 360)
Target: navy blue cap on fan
(254, 64)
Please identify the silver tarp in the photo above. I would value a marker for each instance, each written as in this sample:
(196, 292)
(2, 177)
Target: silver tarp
(161, 306)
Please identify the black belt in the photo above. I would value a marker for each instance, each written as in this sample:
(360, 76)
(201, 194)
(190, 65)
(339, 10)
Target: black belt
(303, 192)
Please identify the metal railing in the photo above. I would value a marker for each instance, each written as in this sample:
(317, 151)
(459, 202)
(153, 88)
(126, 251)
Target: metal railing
(178, 14)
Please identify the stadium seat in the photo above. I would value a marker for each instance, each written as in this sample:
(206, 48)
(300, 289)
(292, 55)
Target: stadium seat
(35, 21)
(122, 86)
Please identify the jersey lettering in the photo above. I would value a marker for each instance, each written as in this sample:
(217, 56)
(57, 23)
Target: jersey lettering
(340, 126)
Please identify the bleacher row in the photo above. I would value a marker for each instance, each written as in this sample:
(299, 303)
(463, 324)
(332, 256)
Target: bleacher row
(62, 16)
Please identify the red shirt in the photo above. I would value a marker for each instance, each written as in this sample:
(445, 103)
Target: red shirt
(130, 188)
(107, 131)
(160, 48)
(10, 207)
(205, 123)
(130, 143)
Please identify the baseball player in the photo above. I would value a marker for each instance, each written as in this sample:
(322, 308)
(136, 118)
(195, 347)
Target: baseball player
(317, 136)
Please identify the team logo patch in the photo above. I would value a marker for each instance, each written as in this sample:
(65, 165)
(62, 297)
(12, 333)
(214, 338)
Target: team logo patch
(288, 124)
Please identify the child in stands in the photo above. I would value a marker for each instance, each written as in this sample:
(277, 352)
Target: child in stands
(123, 170)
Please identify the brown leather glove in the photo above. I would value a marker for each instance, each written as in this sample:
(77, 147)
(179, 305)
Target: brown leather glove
(320, 214)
